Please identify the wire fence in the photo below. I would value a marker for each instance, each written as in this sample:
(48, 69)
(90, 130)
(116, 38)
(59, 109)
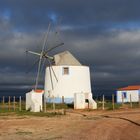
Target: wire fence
(18, 103)
(106, 103)
(12, 103)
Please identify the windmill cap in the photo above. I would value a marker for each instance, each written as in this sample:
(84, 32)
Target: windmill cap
(66, 58)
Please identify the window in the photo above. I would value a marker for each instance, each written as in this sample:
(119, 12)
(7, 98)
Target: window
(124, 94)
(86, 100)
(65, 70)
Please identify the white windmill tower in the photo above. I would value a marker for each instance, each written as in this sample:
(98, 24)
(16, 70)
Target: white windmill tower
(65, 77)
(69, 80)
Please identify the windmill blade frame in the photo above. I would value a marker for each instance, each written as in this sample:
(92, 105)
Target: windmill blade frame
(50, 49)
(41, 55)
(51, 77)
(32, 66)
(52, 70)
(43, 64)
(35, 53)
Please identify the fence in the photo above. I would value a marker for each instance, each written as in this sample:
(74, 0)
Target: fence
(105, 103)
(14, 103)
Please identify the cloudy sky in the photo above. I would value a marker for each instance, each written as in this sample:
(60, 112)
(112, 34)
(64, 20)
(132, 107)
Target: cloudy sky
(104, 34)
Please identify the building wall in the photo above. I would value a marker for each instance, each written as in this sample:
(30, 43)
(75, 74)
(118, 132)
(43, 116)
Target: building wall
(34, 101)
(134, 96)
(76, 81)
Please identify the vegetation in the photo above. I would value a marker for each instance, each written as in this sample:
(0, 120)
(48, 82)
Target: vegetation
(28, 113)
(109, 106)
(7, 109)
(55, 109)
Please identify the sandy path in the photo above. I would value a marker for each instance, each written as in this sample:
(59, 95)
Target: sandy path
(95, 125)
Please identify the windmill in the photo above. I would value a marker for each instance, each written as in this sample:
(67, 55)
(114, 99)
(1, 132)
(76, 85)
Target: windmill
(43, 56)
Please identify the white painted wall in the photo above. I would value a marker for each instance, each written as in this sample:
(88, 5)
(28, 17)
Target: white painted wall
(77, 81)
(80, 101)
(34, 101)
(134, 96)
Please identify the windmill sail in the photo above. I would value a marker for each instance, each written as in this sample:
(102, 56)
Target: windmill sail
(41, 56)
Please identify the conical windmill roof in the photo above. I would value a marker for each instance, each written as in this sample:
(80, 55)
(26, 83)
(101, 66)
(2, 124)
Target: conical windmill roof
(66, 58)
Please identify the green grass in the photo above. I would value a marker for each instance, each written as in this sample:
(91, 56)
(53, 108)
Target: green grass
(28, 113)
(39, 114)
(108, 105)
(49, 106)
(6, 110)
(134, 104)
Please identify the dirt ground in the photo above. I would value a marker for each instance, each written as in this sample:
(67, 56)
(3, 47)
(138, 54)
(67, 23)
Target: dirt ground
(75, 125)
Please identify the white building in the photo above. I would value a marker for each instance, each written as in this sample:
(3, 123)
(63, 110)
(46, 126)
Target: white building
(65, 78)
(83, 101)
(34, 100)
(127, 92)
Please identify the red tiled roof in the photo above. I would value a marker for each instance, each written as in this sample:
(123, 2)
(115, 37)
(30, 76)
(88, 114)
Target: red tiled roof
(39, 90)
(134, 87)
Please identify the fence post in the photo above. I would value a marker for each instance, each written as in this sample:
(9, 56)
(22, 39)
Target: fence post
(3, 102)
(122, 99)
(103, 102)
(113, 101)
(9, 103)
(139, 99)
(44, 103)
(53, 104)
(14, 103)
(130, 101)
(19, 103)
(62, 99)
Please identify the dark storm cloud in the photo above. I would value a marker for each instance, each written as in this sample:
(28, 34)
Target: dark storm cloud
(103, 34)
(32, 13)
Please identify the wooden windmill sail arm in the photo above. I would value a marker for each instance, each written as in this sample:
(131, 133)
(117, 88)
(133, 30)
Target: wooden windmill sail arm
(34, 53)
(50, 49)
(47, 56)
(41, 56)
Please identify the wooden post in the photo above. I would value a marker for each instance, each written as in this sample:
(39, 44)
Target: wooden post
(44, 104)
(9, 104)
(130, 101)
(139, 99)
(19, 103)
(14, 103)
(1, 105)
(113, 101)
(25, 102)
(103, 103)
(3, 101)
(122, 99)
(62, 99)
(53, 104)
